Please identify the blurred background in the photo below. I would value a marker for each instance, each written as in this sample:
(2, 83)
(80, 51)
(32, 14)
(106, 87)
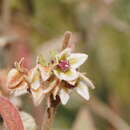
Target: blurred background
(100, 29)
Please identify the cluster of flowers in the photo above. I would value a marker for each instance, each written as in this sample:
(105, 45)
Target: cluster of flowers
(56, 79)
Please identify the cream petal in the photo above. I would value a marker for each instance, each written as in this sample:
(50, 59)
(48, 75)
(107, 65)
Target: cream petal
(11, 74)
(14, 78)
(77, 59)
(51, 86)
(35, 85)
(70, 75)
(87, 81)
(64, 96)
(34, 78)
(32, 73)
(63, 55)
(45, 72)
(37, 96)
(65, 52)
(82, 90)
(21, 90)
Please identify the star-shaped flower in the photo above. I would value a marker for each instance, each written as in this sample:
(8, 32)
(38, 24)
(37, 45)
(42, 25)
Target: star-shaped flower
(80, 85)
(66, 69)
(67, 64)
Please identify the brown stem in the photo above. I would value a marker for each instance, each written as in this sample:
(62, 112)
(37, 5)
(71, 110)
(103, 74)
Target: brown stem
(50, 111)
(38, 112)
(48, 118)
(66, 40)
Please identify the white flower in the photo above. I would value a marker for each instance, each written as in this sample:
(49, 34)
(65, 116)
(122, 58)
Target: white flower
(65, 69)
(56, 80)
(16, 80)
(82, 90)
(37, 95)
(36, 78)
(45, 72)
(37, 75)
(67, 63)
(80, 85)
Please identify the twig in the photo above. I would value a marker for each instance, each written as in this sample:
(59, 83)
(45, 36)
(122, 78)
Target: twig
(48, 118)
(38, 112)
(66, 40)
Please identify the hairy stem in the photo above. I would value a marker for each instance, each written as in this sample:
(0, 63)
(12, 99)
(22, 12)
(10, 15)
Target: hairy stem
(49, 116)
(66, 40)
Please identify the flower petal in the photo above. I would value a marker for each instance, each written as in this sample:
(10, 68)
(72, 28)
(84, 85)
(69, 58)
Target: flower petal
(87, 81)
(14, 78)
(51, 86)
(64, 96)
(82, 90)
(21, 89)
(69, 75)
(64, 54)
(32, 74)
(34, 78)
(77, 59)
(37, 96)
(45, 72)
(35, 85)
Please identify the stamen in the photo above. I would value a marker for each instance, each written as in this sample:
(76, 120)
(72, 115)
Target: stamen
(64, 65)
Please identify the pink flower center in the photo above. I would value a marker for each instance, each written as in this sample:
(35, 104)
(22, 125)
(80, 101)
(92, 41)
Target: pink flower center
(64, 65)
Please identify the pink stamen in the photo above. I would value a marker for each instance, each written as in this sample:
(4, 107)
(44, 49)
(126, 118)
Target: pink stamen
(64, 65)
